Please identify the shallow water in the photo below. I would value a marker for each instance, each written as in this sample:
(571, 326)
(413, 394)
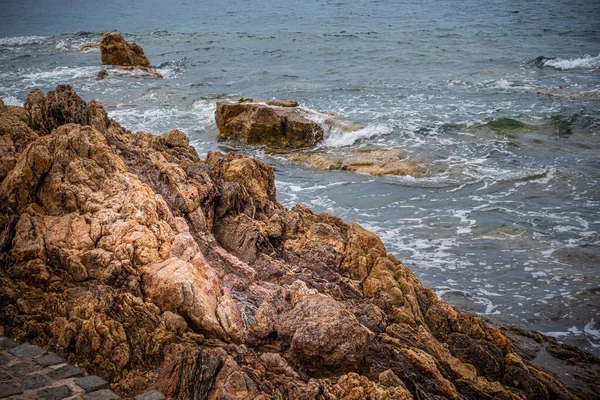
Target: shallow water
(506, 225)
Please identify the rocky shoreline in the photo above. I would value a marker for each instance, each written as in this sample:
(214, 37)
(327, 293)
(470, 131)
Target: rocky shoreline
(132, 257)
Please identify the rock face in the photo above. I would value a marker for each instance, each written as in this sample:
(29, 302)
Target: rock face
(114, 50)
(129, 255)
(282, 125)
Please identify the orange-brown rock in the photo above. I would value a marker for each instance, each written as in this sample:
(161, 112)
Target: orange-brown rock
(89, 46)
(376, 162)
(282, 103)
(286, 127)
(114, 50)
(131, 256)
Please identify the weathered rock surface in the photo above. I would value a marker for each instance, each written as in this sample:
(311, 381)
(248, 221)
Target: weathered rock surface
(376, 162)
(154, 269)
(115, 50)
(281, 125)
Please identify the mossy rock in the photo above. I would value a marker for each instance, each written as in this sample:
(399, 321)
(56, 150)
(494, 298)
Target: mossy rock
(506, 124)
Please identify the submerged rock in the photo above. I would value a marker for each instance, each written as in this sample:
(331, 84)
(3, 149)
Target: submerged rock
(102, 74)
(278, 127)
(152, 268)
(88, 46)
(506, 124)
(376, 162)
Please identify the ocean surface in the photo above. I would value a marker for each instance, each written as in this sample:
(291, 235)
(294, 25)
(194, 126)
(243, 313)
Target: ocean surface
(506, 223)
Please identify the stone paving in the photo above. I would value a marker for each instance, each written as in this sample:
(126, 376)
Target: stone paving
(29, 372)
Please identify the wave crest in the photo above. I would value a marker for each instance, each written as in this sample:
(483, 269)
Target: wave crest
(584, 62)
(21, 40)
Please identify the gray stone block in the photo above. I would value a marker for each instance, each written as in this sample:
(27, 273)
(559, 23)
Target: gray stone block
(102, 395)
(151, 395)
(7, 343)
(49, 359)
(4, 359)
(21, 369)
(92, 383)
(64, 372)
(27, 351)
(8, 389)
(55, 393)
(34, 381)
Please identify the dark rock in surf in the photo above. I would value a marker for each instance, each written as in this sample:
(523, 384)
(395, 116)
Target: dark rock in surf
(102, 74)
(506, 124)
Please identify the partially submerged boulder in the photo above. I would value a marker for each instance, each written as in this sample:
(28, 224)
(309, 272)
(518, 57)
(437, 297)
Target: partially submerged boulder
(376, 162)
(278, 127)
(115, 50)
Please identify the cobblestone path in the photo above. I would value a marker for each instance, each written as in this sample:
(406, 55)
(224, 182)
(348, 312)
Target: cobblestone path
(29, 372)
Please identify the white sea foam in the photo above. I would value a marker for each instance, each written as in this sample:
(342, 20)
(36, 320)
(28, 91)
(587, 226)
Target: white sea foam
(591, 329)
(21, 40)
(340, 138)
(12, 101)
(62, 45)
(57, 76)
(171, 69)
(205, 110)
(584, 62)
(160, 119)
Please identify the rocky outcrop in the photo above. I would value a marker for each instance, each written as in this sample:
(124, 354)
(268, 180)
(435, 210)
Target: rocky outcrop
(376, 162)
(115, 50)
(132, 257)
(281, 125)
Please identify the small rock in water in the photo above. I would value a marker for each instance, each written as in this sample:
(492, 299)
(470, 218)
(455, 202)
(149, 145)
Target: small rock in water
(283, 103)
(376, 162)
(276, 127)
(506, 123)
(87, 46)
(102, 74)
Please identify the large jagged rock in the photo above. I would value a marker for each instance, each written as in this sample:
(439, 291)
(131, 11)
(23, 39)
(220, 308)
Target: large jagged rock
(279, 127)
(131, 256)
(114, 50)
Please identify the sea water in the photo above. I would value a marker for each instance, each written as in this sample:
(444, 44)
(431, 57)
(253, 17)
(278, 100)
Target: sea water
(505, 224)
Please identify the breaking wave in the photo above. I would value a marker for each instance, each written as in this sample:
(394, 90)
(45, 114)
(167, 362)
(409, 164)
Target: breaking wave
(584, 62)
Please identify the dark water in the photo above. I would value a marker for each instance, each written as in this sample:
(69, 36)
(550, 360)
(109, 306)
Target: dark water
(506, 225)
